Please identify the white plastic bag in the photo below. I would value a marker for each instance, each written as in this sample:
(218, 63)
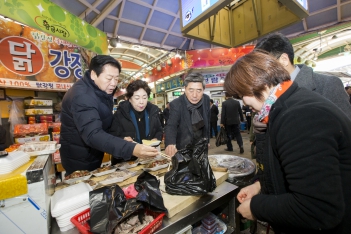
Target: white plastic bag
(16, 116)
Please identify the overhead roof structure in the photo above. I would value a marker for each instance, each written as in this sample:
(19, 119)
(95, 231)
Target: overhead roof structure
(150, 29)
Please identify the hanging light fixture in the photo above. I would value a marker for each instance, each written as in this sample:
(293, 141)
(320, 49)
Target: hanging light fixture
(115, 42)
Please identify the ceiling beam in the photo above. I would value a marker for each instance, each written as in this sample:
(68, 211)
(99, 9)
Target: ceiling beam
(181, 45)
(90, 8)
(141, 3)
(115, 32)
(105, 12)
(148, 20)
(128, 21)
(129, 56)
(338, 9)
(169, 30)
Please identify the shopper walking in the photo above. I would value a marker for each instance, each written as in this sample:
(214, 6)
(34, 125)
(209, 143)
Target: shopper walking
(214, 118)
(166, 113)
(231, 112)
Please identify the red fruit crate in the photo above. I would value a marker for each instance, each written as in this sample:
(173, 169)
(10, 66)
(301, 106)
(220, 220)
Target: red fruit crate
(80, 221)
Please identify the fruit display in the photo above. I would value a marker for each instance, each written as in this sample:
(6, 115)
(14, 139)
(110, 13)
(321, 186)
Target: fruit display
(12, 148)
(30, 130)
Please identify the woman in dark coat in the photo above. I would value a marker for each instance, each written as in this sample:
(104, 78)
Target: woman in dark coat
(136, 119)
(305, 169)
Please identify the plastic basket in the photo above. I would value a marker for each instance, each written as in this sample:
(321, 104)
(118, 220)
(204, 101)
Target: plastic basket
(80, 221)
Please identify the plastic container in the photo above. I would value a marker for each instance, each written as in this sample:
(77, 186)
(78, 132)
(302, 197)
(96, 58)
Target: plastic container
(209, 219)
(80, 221)
(211, 227)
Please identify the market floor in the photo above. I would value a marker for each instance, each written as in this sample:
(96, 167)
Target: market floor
(261, 229)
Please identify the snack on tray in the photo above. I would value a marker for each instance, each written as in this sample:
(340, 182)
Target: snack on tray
(92, 183)
(157, 163)
(151, 142)
(102, 169)
(77, 174)
(116, 174)
(133, 225)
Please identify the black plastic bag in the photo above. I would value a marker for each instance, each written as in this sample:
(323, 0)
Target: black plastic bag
(149, 193)
(222, 138)
(107, 205)
(191, 173)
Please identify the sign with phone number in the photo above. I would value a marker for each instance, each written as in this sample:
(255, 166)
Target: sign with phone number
(34, 85)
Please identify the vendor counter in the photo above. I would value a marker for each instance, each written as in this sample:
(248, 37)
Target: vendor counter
(191, 213)
(25, 197)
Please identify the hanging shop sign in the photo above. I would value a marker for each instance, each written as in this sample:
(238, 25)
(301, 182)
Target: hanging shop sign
(32, 59)
(170, 84)
(214, 79)
(48, 17)
(215, 57)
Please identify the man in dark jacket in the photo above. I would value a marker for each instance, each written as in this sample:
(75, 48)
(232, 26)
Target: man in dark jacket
(87, 116)
(2, 137)
(214, 117)
(166, 113)
(330, 87)
(189, 118)
(231, 111)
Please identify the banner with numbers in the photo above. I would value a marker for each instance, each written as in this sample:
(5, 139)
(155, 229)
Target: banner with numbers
(32, 59)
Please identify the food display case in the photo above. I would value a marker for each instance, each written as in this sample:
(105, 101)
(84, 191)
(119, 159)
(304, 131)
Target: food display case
(29, 212)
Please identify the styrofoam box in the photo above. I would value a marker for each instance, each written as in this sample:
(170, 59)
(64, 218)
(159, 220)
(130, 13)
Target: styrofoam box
(69, 199)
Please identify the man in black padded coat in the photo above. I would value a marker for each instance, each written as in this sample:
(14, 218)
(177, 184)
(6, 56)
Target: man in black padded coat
(87, 116)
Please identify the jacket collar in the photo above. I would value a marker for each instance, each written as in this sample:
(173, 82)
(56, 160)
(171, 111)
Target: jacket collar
(279, 104)
(305, 77)
(87, 79)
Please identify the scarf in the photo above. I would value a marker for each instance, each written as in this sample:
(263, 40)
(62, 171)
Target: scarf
(274, 94)
(196, 118)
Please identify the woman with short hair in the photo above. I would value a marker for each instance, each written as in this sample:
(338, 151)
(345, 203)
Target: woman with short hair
(304, 163)
(136, 119)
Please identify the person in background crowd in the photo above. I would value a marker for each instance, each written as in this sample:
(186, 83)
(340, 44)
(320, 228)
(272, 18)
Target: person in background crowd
(247, 110)
(136, 119)
(303, 182)
(86, 119)
(160, 114)
(348, 91)
(189, 119)
(329, 87)
(214, 118)
(231, 112)
(166, 113)
(2, 138)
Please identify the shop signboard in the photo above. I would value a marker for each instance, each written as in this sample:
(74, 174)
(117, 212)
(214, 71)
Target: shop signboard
(169, 84)
(214, 79)
(31, 59)
(48, 17)
(215, 57)
(177, 93)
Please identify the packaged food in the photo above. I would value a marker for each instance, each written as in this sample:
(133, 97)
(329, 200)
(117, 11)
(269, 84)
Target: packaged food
(104, 170)
(77, 176)
(117, 176)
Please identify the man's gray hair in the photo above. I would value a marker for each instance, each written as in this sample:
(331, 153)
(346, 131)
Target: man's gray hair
(194, 77)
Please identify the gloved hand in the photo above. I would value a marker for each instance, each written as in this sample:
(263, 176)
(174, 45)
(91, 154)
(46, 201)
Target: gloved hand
(259, 127)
